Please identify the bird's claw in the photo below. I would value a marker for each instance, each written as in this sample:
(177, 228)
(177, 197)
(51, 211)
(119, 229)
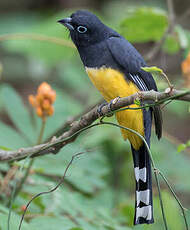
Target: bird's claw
(110, 104)
(99, 109)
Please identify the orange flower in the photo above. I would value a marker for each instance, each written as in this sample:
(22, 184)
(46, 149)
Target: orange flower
(185, 65)
(43, 100)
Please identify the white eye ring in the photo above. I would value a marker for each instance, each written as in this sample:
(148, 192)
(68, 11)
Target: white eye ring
(81, 29)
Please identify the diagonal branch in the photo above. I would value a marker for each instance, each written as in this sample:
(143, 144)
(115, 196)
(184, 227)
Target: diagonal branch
(86, 121)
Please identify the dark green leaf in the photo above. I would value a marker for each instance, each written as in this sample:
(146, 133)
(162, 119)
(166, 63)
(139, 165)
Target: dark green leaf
(16, 139)
(18, 113)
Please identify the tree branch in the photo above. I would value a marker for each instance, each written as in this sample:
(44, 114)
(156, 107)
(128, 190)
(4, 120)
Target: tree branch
(86, 121)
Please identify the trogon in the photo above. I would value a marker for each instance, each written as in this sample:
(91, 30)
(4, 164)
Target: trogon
(114, 67)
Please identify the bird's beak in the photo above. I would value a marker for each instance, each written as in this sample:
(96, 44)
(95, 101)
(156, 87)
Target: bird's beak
(67, 22)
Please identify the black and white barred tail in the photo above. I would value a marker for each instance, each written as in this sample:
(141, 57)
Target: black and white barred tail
(143, 197)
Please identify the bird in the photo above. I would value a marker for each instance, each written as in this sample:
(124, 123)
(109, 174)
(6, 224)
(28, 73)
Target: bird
(114, 66)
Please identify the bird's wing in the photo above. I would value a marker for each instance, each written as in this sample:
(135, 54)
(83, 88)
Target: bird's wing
(130, 61)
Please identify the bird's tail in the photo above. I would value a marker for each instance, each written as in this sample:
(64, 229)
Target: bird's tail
(143, 198)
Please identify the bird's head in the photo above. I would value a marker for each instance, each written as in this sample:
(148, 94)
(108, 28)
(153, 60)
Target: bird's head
(85, 28)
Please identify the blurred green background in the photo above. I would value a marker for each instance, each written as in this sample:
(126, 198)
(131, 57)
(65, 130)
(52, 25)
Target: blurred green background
(98, 192)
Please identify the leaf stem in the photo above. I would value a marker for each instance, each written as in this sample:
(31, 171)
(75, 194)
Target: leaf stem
(40, 137)
(31, 162)
(168, 81)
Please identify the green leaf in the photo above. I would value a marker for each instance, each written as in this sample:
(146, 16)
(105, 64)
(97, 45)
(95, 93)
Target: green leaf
(49, 223)
(22, 21)
(137, 102)
(18, 113)
(153, 70)
(49, 52)
(179, 108)
(164, 152)
(86, 173)
(10, 138)
(4, 166)
(4, 148)
(171, 44)
(172, 212)
(144, 24)
(181, 147)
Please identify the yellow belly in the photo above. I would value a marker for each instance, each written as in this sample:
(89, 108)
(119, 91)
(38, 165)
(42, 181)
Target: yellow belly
(111, 84)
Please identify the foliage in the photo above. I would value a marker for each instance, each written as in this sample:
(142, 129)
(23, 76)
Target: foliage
(182, 147)
(98, 191)
(51, 54)
(151, 24)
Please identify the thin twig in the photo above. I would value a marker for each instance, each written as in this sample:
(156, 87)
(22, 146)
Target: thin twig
(38, 37)
(183, 16)
(160, 197)
(176, 198)
(40, 137)
(49, 191)
(168, 81)
(171, 12)
(155, 50)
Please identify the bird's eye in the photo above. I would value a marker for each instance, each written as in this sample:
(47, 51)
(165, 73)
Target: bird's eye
(81, 29)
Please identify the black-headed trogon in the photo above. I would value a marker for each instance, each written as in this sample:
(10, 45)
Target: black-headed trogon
(114, 67)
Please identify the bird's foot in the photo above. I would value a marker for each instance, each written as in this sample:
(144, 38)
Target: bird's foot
(99, 109)
(110, 105)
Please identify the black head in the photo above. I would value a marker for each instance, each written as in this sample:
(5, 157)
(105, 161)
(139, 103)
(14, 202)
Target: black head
(86, 28)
